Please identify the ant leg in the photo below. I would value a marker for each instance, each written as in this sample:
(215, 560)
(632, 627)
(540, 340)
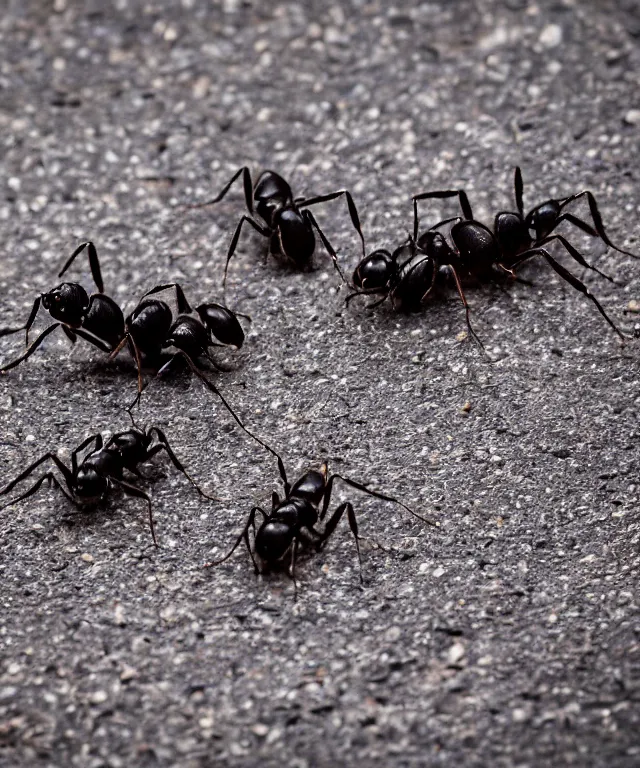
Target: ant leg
(459, 193)
(332, 524)
(159, 374)
(375, 494)
(467, 310)
(97, 445)
(442, 223)
(136, 353)
(353, 211)
(94, 263)
(128, 339)
(101, 345)
(248, 190)
(518, 188)
(577, 223)
(264, 231)
(292, 568)
(330, 249)
(597, 219)
(73, 337)
(131, 490)
(579, 286)
(52, 480)
(27, 325)
(31, 349)
(244, 535)
(212, 388)
(287, 486)
(181, 299)
(66, 472)
(121, 344)
(164, 445)
(573, 252)
(366, 292)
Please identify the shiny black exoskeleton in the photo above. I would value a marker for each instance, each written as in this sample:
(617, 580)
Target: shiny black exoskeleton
(87, 483)
(286, 222)
(95, 318)
(397, 276)
(517, 233)
(293, 520)
(151, 329)
(476, 253)
(410, 274)
(544, 218)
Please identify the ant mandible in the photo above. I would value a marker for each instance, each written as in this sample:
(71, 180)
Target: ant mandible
(89, 482)
(293, 519)
(286, 222)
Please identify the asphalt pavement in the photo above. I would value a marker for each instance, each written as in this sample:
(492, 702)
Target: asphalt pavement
(507, 636)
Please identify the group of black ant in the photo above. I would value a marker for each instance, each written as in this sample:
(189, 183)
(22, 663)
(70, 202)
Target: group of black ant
(413, 271)
(160, 338)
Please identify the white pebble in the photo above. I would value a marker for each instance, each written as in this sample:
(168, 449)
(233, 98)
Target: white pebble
(551, 36)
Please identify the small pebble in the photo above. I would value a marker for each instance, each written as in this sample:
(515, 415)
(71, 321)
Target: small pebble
(551, 36)
(456, 653)
(128, 673)
(632, 117)
(98, 697)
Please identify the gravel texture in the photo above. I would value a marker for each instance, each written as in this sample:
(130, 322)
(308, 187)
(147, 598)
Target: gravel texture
(508, 636)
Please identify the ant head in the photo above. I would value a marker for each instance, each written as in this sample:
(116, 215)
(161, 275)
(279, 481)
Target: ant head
(273, 539)
(222, 323)
(375, 271)
(543, 218)
(67, 302)
(89, 487)
(434, 245)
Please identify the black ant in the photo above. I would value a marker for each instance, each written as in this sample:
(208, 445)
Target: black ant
(95, 318)
(517, 233)
(410, 274)
(89, 481)
(288, 227)
(476, 253)
(293, 520)
(151, 329)
(148, 330)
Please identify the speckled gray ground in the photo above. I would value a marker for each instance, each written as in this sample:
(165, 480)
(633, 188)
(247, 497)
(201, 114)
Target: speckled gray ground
(510, 635)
